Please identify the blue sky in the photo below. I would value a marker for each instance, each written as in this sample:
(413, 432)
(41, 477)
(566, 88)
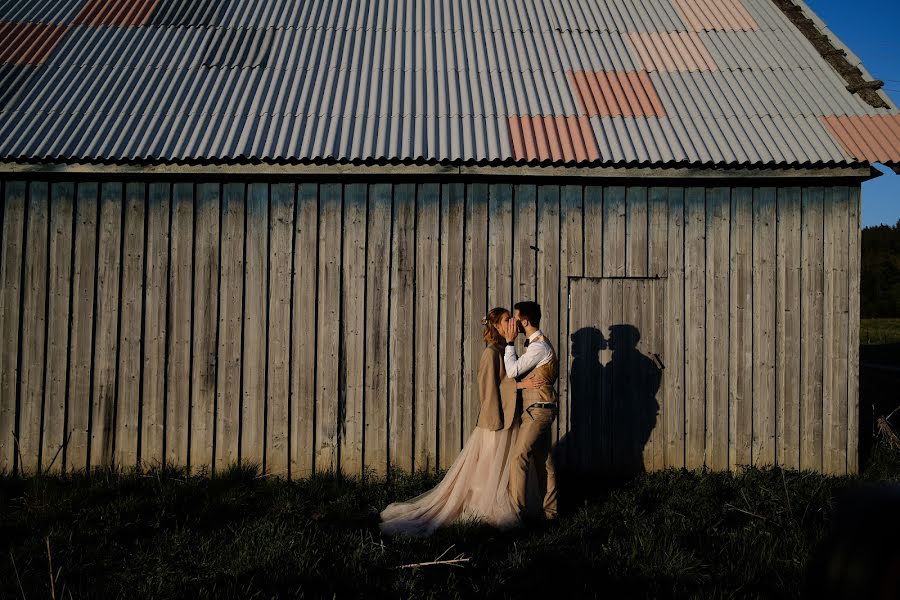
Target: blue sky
(871, 28)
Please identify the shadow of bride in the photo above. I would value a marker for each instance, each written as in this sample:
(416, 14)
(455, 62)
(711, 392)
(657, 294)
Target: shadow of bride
(613, 411)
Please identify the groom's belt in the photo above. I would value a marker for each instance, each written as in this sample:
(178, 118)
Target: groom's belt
(541, 405)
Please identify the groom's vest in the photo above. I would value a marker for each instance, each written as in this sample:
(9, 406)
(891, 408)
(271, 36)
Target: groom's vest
(548, 371)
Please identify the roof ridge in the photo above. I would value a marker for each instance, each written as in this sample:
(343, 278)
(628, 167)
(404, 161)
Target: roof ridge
(799, 13)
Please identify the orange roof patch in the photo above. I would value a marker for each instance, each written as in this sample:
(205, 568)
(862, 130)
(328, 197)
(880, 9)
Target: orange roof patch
(712, 15)
(867, 138)
(121, 13)
(615, 93)
(671, 51)
(553, 138)
(28, 43)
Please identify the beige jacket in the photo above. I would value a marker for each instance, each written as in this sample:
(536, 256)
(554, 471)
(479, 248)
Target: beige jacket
(496, 391)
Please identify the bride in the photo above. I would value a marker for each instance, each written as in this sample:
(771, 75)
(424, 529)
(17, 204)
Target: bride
(475, 486)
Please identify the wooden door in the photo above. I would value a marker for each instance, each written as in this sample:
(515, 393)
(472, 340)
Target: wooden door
(616, 365)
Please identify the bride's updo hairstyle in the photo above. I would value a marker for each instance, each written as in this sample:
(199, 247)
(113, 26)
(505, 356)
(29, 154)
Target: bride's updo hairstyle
(491, 335)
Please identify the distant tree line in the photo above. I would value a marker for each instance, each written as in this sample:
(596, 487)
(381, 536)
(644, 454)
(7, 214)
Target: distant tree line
(880, 284)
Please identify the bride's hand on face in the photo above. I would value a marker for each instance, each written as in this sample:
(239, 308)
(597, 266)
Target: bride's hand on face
(512, 330)
(530, 384)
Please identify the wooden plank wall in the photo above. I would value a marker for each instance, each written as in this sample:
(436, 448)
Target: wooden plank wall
(318, 326)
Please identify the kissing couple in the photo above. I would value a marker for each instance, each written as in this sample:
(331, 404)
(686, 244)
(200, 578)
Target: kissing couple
(504, 473)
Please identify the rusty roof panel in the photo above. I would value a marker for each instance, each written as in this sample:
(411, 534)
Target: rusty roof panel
(615, 93)
(868, 138)
(28, 43)
(711, 15)
(553, 139)
(675, 51)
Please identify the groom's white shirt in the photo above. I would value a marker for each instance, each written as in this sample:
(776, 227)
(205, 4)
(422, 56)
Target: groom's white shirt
(536, 354)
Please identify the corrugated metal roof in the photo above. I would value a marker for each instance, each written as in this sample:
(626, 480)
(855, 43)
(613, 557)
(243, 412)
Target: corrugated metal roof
(31, 11)
(480, 81)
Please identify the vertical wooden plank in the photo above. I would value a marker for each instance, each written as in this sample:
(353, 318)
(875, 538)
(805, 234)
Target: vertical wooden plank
(573, 447)
(353, 323)
(634, 301)
(304, 328)
(695, 325)
(281, 227)
(601, 430)
(475, 289)
(155, 325)
(378, 327)
(811, 317)
(256, 293)
(548, 282)
(764, 326)
(571, 219)
(128, 391)
(205, 321)
(401, 342)
(657, 326)
(450, 430)
(13, 254)
(34, 314)
(593, 231)
(81, 347)
(787, 329)
(640, 307)
(230, 320)
(657, 257)
(853, 332)
(427, 305)
(62, 208)
(836, 311)
(178, 371)
(524, 242)
(615, 384)
(106, 326)
(500, 245)
(636, 247)
(657, 231)
(329, 331)
(740, 346)
(717, 334)
(640, 295)
(615, 219)
(583, 440)
(674, 345)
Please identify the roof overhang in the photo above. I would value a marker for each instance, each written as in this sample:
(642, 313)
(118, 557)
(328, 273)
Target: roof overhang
(269, 170)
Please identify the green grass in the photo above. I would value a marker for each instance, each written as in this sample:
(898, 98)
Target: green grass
(879, 331)
(162, 534)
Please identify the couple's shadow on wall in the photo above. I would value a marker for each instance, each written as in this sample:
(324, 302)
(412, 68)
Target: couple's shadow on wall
(613, 410)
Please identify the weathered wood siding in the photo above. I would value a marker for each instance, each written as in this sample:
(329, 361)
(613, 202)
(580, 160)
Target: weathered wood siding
(313, 326)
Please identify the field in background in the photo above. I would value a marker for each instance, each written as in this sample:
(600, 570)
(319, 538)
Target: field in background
(879, 377)
(879, 331)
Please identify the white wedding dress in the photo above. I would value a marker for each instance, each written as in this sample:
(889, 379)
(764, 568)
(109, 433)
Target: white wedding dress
(474, 488)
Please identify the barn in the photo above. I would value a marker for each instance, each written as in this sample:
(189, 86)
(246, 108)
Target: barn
(266, 231)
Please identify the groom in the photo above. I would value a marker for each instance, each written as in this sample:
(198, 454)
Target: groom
(539, 406)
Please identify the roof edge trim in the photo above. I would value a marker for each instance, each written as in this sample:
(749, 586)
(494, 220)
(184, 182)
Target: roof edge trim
(81, 169)
(837, 54)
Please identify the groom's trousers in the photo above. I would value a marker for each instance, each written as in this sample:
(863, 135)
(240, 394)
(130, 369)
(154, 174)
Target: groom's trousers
(533, 444)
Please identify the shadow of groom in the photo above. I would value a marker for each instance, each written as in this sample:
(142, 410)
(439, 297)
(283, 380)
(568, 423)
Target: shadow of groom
(613, 411)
